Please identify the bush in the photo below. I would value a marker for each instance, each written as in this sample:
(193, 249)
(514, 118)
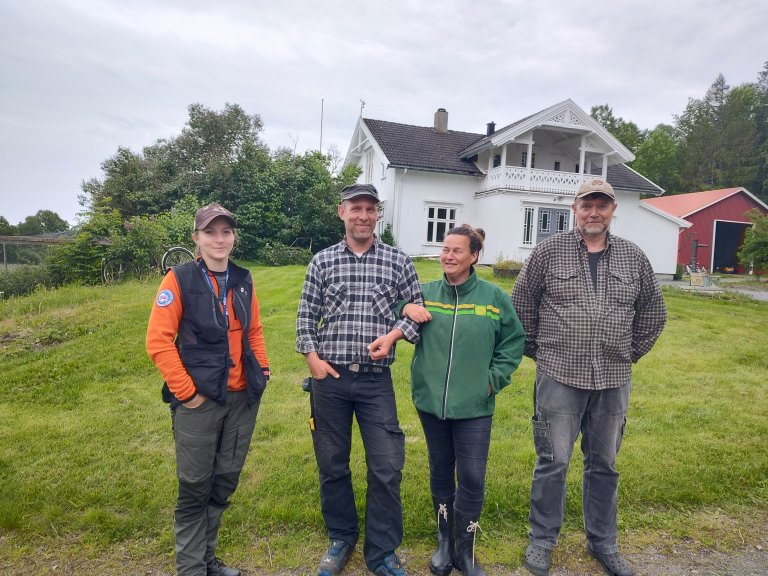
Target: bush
(76, 263)
(754, 252)
(23, 280)
(388, 236)
(502, 264)
(278, 254)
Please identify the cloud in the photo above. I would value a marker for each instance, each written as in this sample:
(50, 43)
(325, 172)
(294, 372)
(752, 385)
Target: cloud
(81, 77)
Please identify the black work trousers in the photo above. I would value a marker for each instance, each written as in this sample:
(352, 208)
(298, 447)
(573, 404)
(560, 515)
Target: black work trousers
(369, 396)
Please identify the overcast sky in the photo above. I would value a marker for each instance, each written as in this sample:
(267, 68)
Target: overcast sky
(78, 78)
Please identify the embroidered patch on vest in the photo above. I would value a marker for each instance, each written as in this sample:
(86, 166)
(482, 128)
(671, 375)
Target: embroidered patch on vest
(164, 298)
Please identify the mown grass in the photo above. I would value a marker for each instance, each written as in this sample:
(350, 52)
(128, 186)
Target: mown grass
(87, 464)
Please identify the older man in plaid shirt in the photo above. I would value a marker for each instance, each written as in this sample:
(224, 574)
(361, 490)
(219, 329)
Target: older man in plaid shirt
(346, 329)
(590, 306)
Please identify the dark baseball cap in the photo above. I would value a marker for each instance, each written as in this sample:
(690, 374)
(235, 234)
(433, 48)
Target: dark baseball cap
(206, 214)
(355, 190)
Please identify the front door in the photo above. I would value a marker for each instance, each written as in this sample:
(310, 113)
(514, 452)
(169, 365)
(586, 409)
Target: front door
(552, 221)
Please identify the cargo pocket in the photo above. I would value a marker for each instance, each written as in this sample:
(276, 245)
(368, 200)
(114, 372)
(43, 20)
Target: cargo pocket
(621, 435)
(542, 440)
(397, 439)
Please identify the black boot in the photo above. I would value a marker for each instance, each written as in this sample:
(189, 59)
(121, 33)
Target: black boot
(464, 529)
(441, 562)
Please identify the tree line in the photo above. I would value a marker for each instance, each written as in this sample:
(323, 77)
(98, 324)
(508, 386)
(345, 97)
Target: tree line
(718, 141)
(286, 202)
(280, 198)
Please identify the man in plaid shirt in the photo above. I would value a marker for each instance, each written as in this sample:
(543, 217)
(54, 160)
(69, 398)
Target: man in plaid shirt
(590, 306)
(346, 329)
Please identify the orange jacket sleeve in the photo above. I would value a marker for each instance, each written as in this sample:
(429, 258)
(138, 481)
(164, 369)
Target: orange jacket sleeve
(256, 334)
(163, 327)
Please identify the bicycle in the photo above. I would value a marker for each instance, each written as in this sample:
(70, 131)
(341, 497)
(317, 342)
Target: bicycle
(116, 268)
(175, 257)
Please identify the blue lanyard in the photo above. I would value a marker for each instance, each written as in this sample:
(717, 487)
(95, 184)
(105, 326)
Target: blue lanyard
(223, 299)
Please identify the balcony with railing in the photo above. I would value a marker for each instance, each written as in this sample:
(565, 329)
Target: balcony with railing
(532, 179)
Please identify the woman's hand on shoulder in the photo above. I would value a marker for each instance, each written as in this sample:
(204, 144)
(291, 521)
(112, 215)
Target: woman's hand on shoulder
(417, 313)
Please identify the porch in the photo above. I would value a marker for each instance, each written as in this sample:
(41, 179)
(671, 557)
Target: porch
(532, 179)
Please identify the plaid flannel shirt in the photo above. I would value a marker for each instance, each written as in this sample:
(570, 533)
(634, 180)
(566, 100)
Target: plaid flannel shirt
(580, 336)
(349, 301)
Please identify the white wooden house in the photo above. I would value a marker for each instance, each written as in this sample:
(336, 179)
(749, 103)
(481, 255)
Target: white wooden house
(517, 182)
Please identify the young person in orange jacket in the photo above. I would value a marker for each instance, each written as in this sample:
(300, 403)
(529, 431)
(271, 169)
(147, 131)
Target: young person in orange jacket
(205, 337)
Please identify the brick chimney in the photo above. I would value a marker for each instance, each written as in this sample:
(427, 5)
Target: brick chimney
(441, 121)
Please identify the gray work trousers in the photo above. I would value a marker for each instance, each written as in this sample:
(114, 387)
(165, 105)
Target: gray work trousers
(212, 442)
(560, 413)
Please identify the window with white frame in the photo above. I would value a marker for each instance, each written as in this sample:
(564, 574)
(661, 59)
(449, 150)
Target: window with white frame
(524, 159)
(528, 226)
(380, 222)
(440, 219)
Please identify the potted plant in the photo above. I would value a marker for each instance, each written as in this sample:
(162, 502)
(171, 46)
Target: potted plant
(505, 268)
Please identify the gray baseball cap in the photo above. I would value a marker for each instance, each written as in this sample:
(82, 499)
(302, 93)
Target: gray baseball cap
(355, 190)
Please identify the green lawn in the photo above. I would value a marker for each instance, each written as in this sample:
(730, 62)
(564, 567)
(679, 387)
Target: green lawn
(87, 480)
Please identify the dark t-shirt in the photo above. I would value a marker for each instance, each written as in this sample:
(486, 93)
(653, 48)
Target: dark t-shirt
(594, 257)
(221, 280)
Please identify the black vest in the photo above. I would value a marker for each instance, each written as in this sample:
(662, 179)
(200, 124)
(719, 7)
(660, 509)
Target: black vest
(203, 340)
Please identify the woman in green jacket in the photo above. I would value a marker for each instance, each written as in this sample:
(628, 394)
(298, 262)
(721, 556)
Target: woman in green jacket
(471, 341)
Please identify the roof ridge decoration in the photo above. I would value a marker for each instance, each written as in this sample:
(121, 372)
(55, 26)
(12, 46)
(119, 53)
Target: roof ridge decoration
(565, 118)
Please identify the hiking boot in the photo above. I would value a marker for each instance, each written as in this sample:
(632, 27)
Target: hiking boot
(537, 559)
(217, 568)
(335, 558)
(390, 567)
(613, 563)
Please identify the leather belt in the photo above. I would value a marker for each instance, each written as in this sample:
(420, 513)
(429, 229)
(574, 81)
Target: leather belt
(364, 368)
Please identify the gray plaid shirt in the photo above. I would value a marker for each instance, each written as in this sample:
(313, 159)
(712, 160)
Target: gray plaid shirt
(347, 302)
(580, 336)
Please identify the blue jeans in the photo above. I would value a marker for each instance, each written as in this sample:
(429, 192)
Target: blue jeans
(458, 450)
(371, 398)
(560, 413)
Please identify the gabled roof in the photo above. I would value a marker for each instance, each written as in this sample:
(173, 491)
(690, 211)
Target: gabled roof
(683, 205)
(622, 177)
(423, 148)
(485, 141)
(565, 114)
(407, 146)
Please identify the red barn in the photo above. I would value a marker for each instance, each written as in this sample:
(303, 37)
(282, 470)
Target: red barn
(718, 224)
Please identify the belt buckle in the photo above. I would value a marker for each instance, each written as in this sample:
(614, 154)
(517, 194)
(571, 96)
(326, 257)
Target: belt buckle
(354, 367)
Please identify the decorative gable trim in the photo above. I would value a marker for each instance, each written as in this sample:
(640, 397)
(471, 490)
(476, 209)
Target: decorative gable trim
(565, 114)
(565, 118)
(360, 138)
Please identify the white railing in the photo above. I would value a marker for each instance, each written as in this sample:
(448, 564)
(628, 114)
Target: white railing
(535, 180)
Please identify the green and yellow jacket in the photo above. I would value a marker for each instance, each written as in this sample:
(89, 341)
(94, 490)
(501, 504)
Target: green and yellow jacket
(466, 354)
